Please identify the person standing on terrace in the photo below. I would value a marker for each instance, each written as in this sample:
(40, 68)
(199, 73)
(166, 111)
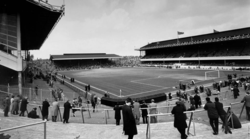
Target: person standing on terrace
(153, 110)
(45, 109)
(180, 119)
(246, 100)
(129, 124)
(6, 105)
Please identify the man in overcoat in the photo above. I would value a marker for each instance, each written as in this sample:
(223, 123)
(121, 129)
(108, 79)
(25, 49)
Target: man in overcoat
(222, 114)
(23, 106)
(6, 105)
(45, 109)
(212, 115)
(197, 100)
(129, 125)
(180, 119)
(66, 113)
(117, 110)
(144, 112)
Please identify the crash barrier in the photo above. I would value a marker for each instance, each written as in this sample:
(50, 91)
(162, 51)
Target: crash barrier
(23, 126)
(242, 109)
(88, 109)
(191, 119)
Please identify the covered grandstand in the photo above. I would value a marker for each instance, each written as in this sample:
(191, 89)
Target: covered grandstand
(226, 48)
(83, 60)
(24, 25)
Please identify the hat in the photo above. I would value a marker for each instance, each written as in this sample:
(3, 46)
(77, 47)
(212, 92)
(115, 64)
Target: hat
(129, 100)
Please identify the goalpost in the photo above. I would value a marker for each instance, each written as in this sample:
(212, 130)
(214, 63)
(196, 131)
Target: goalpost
(212, 74)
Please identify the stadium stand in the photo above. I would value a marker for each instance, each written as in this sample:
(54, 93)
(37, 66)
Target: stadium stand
(232, 46)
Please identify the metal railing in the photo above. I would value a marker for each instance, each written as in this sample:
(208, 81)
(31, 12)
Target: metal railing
(148, 131)
(18, 127)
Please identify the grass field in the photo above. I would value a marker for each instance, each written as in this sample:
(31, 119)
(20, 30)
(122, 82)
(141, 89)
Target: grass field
(141, 81)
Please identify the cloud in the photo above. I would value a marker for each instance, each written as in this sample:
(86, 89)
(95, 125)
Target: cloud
(141, 7)
(118, 20)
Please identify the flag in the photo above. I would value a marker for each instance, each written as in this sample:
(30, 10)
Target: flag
(215, 31)
(180, 33)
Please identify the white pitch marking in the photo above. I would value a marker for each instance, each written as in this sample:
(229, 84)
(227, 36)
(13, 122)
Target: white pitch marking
(147, 84)
(147, 91)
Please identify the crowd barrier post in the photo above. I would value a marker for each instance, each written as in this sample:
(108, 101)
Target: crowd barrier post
(45, 130)
(89, 111)
(148, 135)
(105, 116)
(244, 105)
(82, 115)
(189, 124)
(108, 113)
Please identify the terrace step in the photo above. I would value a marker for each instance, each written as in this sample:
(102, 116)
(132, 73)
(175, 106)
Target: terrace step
(96, 131)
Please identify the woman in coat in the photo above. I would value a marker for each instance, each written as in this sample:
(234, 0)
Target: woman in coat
(180, 119)
(23, 106)
(137, 113)
(55, 109)
(67, 107)
(15, 106)
(45, 109)
(129, 125)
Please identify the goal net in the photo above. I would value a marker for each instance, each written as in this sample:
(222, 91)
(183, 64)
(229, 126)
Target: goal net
(212, 74)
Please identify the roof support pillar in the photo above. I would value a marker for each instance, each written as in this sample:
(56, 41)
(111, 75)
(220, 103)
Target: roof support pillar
(19, 57)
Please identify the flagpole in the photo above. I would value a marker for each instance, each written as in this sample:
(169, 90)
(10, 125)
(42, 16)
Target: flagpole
(177, 37)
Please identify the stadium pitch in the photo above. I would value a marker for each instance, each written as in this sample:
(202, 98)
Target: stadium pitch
(142, 81)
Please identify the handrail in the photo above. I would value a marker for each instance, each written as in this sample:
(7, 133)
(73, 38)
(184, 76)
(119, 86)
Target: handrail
(235, 103)
(148, 134)
(27, 125)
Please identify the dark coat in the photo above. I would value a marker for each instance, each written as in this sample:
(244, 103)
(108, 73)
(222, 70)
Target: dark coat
(144, 112)
(179, 117)
(129, 125)
(23, 106)
(219, 108)
(197, 99)
(45, 108)
(67, 108)
(33, 114)
(236, 91)
(117, 110)
(6, 104)
(211, 110)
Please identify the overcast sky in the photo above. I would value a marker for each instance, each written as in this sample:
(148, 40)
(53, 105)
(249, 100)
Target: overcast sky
(120, 26)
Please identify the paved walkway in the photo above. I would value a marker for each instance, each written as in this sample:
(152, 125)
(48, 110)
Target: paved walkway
(59, 130)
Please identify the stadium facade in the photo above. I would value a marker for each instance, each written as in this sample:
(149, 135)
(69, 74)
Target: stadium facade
(24, 26)
(225, 48)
